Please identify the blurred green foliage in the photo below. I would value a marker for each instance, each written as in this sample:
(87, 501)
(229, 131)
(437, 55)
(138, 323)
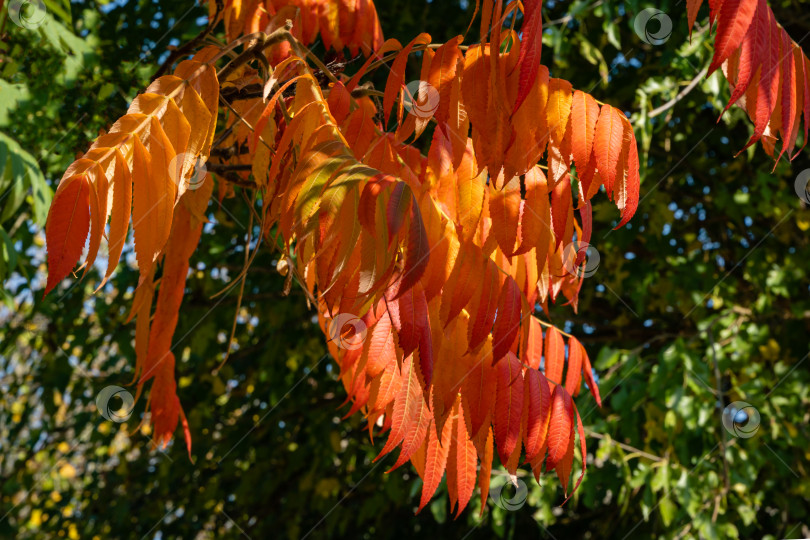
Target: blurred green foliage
(701, 301)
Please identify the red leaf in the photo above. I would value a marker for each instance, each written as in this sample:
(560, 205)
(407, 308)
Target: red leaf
(714, 10)
(531, 44)
(750, 53)
(560, 428)
(418, 252)
(538, 414)
(583, 453)
(508, 406)
(67, 228)
(692, 8)
(368, 201)
(788, 94)
(413, 327)
(586, 216)
(555, 356)
(566, 463)
(398, 206)
(766, 91)
(574, 374)
(507, 322)
(588, 373)
(805, 63)
(732, 24)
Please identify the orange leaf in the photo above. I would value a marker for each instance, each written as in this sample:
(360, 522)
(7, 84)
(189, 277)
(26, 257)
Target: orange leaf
(585, 113)
(559, 108)
(470, 197)
(608, 144)
(461, 462)
(182, 243)
(409, 413)
(626, 187)
(395, 80)
(451, 368)
(460, 285)
(67, 228)
(380, 346)
(435, 463)
(483, 447)
(478, 390)
(485, 309)
(121, 212)
(504, 208)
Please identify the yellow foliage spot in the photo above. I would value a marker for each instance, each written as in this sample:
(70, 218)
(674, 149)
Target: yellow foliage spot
(36, 518)
(63, 447)
(73, 534)
(67, 471)
(56, 496)
(770, 351)
(17, 407)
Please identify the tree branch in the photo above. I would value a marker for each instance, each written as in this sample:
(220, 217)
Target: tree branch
(672, 102)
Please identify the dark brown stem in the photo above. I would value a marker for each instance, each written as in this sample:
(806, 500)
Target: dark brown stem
(262, 42)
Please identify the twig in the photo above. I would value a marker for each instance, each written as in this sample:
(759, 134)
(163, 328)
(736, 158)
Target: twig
(671, 103)
(262, 41)
(623, 446)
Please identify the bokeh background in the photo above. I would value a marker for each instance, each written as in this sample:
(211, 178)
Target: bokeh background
(700, 302)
